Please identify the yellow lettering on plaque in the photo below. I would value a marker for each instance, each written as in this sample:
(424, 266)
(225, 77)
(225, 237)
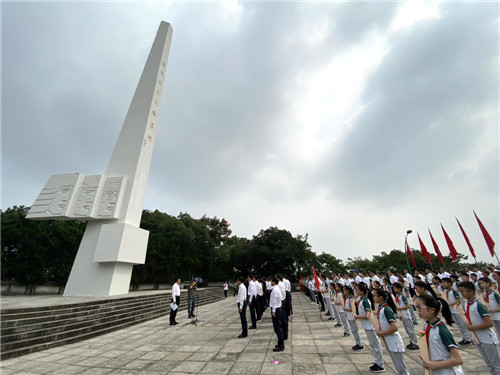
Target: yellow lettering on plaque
(157, 92)
(144, 143)
(150, 138)
(156, 102)
(163, 63)
(161, 71)
(152, 125)
(154, 113)
(159, 82)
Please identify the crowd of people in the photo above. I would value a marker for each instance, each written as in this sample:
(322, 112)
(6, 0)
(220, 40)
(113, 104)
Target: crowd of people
(467, 298)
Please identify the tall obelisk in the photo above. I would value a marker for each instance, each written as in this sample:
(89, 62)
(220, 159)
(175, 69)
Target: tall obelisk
(109, 249)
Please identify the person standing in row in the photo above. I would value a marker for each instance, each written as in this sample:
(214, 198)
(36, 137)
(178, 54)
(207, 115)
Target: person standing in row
(288, 297)
(242, 306)
(453, 298)
(276, 314)
(284, 318)
(403, 306)
(226, 287)
(252, 302)
(479, 321)
(492, 298)
(176, 298)
(191, 296)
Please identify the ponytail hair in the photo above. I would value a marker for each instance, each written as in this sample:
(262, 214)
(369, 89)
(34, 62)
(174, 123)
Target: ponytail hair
(437, 304)
(426, 287)
(387, 298)
(367, 293)
(351, 292)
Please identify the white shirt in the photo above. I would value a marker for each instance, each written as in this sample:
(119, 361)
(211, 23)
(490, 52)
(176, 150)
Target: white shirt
(281, 286)
(375, 278)
(252, 290)
(275, 299)
(288, 286)
(428, 278)
(357, 279)
(242, 295)
(342, 281)
(410, 280)
(367, 281)
(261, 291)
(176, 291)
(443, 275)
(393, 279)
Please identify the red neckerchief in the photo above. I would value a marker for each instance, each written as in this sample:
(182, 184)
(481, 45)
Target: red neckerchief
(467, 314)
(447, 290)
(357, 306)
(397, 298)
(380, 307)
(487, 296)
(428, 329)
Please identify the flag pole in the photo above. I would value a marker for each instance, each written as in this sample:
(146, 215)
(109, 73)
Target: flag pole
(406, 250)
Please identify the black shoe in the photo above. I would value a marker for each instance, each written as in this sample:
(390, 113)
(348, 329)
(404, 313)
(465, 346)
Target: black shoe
(328, 313)
(464, 342)
(252, 327)
(279, 349)
(322, 310)
(376, 368)
(189, 317)
(358, 348)
(412, 346)
(331, 318)
(346, 334)
(193, 316)
(338, 325)
(172, 324)
(242, 336)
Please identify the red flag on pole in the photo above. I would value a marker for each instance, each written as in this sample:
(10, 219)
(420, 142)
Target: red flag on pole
(316, 280)
(423, 249)
(471, 249)
(410, 254)
(436, 249)
(486, 235)
(453, 251)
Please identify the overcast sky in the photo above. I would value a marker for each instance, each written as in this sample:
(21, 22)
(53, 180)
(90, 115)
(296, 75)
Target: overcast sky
(351, 122)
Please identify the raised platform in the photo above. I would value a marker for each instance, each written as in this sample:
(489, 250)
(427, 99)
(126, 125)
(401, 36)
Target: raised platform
(34, 323)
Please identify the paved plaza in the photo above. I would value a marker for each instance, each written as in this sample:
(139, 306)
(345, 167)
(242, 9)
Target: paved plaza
(314, 346)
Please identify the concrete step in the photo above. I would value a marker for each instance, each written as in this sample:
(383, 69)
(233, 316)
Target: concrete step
(24, 332)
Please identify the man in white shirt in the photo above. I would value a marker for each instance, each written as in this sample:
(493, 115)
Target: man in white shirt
(242, 306)
(284, 319)
(392, 278)
(176, 297)
(366, 280)
(442, 273)
(357, 279)
(276, 313)
(374, 277)
(288, 297)
(252, 291)
(429, 276)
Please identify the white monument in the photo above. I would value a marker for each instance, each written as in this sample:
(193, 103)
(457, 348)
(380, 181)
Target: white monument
(112, 203)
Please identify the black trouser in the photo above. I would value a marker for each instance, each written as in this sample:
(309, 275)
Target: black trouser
(289, 303)
(252, 313)
(262, 304)
(278, 326)
(243, 318)
(320, 299)
(173, 313)
(225, 293)
(284, 320)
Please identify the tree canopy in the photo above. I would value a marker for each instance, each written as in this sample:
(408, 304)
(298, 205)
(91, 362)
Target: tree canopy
(34, 252)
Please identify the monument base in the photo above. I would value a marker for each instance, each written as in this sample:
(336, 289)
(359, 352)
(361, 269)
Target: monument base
(90, 278)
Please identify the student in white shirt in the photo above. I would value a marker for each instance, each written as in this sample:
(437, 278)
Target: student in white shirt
(242, 306)
(176, 297)
(276, 314)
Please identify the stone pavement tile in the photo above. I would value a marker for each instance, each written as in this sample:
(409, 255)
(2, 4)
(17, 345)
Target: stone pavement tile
(278, 356)
(217, 368)
(189, 367)
(124, 372)
(306, 358)
(201, 356)
(177, 356)
(334, 359)
(364, 357)
(154, 355)
(282, 369)
(91, 361)
(163, 366)
(96, 371)
(246, 368)
(148, 348)
(211, 348)
(230, 357)
(251, 357)
(344, 369)
(138, 364)
(69, 370)
(233, 348)
(51, 358)
(116, 362)
(189, 348)
(308, 369)
(112, 353)
(255, 348)
(312, 349)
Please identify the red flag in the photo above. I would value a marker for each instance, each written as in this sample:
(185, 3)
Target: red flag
(486, 235)
(423, 249)
(436, 249)
(453, 251)
(467, 240)
(410, 254)
(316, 280)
